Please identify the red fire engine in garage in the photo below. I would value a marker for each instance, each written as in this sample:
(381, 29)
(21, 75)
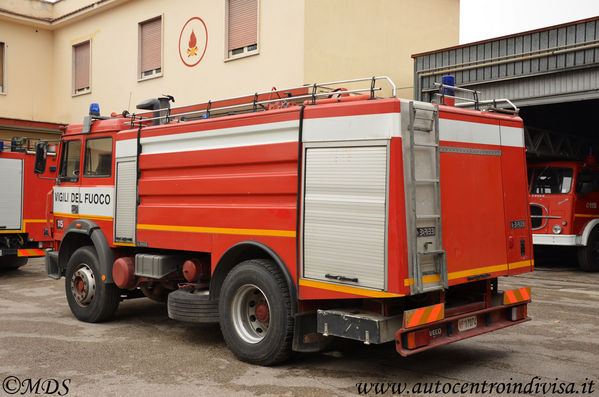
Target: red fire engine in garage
(295, 215)
(563, 207)
(23, 229)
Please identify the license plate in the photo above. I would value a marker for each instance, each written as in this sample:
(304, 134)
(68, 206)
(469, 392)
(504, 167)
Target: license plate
(464, 324)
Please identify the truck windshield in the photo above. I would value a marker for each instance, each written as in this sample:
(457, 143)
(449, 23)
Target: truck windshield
(551, 180)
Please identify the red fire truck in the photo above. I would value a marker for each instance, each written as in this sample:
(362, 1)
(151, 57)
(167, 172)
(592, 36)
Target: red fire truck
(295, 215)
(23, 229)
(563, 207)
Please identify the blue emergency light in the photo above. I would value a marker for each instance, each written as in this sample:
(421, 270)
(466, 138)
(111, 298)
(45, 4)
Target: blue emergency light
(448, 80)
(94, 109)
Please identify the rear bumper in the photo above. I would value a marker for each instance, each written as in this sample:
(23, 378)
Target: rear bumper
(30, 250)
(448, 330)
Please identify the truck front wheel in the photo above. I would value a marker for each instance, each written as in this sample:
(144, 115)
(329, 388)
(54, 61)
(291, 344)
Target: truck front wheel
(255, 313)
(90, 298)
(588, 256)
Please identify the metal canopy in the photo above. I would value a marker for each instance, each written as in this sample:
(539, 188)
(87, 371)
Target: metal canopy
(551, 65)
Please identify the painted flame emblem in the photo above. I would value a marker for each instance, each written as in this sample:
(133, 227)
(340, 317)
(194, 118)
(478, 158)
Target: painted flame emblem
(193, 49)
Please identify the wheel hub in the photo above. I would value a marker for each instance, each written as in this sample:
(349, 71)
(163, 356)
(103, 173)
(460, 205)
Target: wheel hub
(83, 285)
(262, 312)
(251, 313)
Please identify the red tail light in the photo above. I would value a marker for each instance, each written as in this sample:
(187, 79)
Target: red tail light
(417, 339)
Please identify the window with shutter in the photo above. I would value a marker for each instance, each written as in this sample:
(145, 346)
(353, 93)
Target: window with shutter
(1, 67)
(150, 48)
(81, 66)
(242, 27)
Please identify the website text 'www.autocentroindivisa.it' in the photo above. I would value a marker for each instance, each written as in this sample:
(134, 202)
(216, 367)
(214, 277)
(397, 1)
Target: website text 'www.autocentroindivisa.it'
(535, 386)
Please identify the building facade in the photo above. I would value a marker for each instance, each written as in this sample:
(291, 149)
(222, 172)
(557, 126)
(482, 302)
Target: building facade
(59, 57)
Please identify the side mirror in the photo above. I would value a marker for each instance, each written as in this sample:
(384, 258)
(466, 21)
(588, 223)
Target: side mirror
(41, 151)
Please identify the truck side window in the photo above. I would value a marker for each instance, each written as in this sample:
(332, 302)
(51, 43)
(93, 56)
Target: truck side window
(69, 164)
(98, 158)
(588, 182)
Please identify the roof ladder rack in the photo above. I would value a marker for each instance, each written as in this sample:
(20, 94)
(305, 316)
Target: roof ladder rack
(305, 94)
(489, 105)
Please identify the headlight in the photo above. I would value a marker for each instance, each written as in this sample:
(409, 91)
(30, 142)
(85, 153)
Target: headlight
(557, 229)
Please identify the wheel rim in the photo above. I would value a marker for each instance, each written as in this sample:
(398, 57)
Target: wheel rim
(251, 313)
(83, 285)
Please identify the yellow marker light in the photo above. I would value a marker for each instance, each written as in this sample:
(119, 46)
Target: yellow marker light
(103, 277)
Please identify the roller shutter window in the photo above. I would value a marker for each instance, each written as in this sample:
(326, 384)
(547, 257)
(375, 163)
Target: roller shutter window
(243, 26)
(81, 67)
(150, 47)
(1, 67)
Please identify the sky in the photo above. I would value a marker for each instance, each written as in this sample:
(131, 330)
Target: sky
(482, 19)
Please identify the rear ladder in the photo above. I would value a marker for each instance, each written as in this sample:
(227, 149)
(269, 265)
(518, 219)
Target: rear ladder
(428, 260)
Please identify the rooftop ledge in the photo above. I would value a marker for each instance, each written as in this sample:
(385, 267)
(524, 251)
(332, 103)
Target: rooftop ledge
(51, 13)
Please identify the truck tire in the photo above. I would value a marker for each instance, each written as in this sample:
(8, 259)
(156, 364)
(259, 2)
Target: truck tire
(255, 313)
(588, 256)
(90, 299)
(185, 305)
(12, 262)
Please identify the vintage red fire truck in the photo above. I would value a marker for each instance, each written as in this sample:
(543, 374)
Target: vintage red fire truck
(23, 229)
(563, 207)
(296, 215)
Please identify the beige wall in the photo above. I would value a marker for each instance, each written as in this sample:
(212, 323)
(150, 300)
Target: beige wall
(346, 39)
(300, 41)
(28, 72)
(114, 49)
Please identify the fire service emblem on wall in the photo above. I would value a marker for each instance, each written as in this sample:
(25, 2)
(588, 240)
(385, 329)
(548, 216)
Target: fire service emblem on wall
(193, 41)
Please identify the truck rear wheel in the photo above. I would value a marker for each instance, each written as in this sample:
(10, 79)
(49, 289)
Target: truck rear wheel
(588, 256)
(12, 261)
(90, 299)
(255, 313)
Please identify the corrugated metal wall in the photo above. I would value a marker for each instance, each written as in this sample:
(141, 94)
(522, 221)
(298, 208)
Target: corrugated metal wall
(555, 64)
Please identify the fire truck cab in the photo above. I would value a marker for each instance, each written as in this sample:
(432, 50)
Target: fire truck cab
(564, 197)
(295, 215)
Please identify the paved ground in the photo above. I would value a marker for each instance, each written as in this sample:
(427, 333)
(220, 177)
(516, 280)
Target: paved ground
(142, 352)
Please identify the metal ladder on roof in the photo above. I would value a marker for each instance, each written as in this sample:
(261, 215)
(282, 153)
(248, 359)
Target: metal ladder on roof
(428, 260)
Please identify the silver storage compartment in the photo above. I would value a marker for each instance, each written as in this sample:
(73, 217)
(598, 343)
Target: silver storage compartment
(126, 201)
(156, 265)
(345, 215)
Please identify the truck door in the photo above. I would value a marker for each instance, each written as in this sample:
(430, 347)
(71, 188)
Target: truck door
(66, 194)
(472, 197)
(97, 183)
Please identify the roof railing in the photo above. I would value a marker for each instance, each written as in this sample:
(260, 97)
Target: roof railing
(489, 105)
(253, 103)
